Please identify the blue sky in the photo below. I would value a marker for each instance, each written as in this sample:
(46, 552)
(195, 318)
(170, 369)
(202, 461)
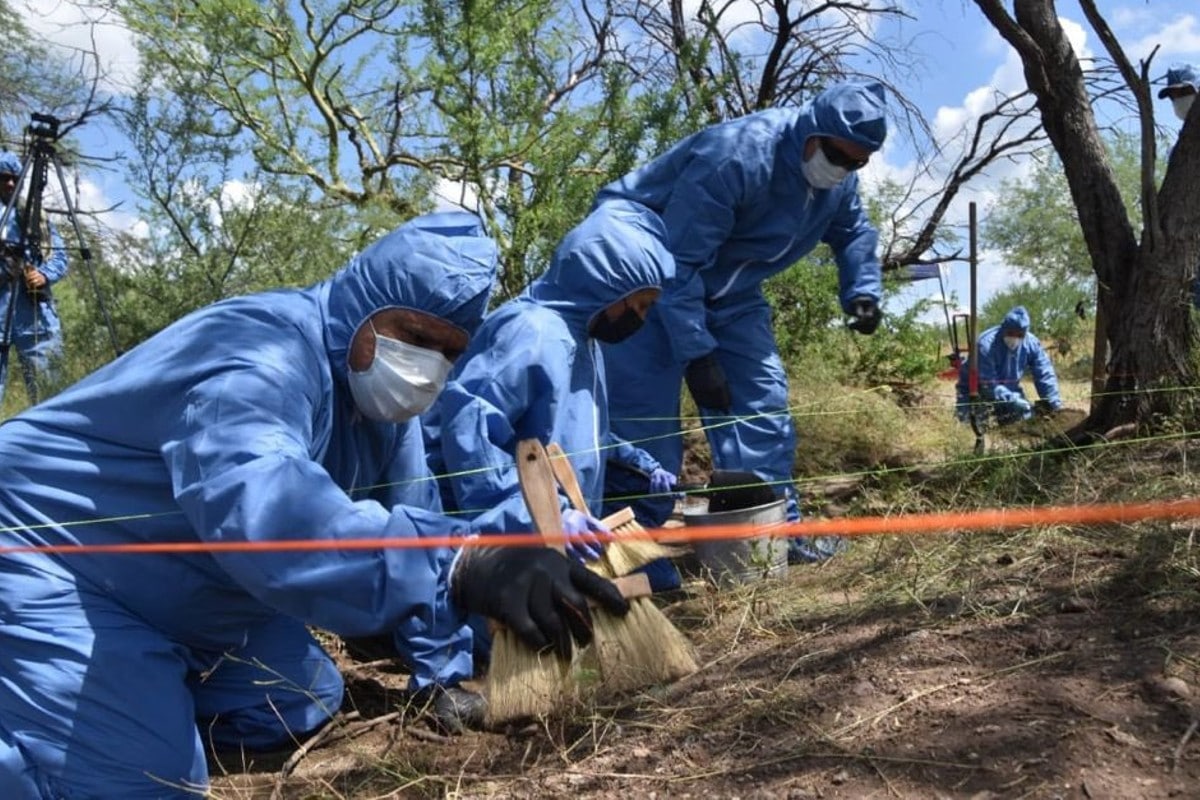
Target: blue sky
(962, 63)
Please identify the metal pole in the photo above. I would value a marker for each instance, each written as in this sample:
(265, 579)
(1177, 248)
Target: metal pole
(972, 327)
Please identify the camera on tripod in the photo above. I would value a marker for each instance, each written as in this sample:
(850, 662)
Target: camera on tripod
(43, 126)
(28, 245)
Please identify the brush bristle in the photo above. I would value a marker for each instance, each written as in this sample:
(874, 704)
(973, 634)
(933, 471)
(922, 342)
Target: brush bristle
(520, 682)
(626, 555)
(640, 649)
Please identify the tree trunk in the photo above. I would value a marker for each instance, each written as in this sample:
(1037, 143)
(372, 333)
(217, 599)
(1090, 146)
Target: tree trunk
(1143, 287)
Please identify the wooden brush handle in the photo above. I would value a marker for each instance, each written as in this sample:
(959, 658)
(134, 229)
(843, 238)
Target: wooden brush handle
(618, 518)
(565, 474)
(537, 487)
(633, 586)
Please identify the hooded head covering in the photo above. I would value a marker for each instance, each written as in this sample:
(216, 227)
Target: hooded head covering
(619, 249)
(1181, 76)
(853, 111)
(441, 264)
(1016, 320)
(10, 163)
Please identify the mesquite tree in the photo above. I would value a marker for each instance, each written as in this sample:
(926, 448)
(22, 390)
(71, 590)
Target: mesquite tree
(1143, 275)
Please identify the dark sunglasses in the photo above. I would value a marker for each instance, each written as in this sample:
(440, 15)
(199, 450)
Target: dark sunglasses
(839, 158)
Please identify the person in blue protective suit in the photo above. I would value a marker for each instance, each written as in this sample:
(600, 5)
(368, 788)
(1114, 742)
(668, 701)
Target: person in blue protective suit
(277, 417)
(743, 200)
(535, 370)
(27, 314)
(1183, 83)
(1007, 352)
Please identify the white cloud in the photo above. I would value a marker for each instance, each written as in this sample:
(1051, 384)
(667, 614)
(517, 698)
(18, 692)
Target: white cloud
(952, 127)
(1177, 39)
(84, 27)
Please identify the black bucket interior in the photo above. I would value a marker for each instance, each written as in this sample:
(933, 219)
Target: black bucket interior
(734, 490)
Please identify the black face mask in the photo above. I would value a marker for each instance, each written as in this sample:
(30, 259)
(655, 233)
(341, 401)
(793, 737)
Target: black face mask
(612, 331)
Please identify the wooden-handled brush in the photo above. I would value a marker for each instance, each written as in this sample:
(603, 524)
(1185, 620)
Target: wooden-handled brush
(642, 648)
(522, 683)
(621, 556)
(535, 472)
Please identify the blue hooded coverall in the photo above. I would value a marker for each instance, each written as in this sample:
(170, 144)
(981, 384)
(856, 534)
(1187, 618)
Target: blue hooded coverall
(738, 210)
(234, 424)
(34, 331)
(532, 371)
(1001, 369)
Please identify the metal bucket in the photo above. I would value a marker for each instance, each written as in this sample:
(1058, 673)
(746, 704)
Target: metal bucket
(737, 561)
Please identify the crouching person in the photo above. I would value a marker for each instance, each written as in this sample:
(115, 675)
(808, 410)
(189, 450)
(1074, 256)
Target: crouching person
(265, 419)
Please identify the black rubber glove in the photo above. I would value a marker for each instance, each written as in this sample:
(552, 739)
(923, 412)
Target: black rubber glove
(867, 315)
(537, 592)
(707, 383)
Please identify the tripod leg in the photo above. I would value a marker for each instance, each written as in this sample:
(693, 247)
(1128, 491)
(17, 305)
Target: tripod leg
(4, 348)
(85, 253)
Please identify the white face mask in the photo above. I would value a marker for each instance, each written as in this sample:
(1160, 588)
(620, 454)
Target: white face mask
(821, 173)
(402, 381)
(1183, 105)
(1012, 342)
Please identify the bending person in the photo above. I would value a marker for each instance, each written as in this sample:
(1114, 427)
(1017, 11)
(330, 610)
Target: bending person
(742, 201)
(1007, 352)
(535, 370)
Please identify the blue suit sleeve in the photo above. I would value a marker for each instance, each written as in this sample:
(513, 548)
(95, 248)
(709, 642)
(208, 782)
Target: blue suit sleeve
(623, 452)
(855, 241)
(436, 648)
(407, 478)
(991, 381)
(1045, 380)
(507, 393)
(241, 471)
(54, 267)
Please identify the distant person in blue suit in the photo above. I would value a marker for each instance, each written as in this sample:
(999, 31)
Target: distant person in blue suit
(28, 318)
(742, 201)
(1007, 352)
(1183, 82)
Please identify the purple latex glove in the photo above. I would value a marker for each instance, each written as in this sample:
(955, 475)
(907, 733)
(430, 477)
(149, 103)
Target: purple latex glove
(581, 529)
(661, 481)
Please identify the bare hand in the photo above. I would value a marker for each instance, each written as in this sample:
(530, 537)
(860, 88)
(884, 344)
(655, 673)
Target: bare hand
(34, 279)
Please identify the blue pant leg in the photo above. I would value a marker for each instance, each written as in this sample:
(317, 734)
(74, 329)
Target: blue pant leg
(643, 383)
(93, 702)
(435, 656)
(762, 439)
(37, 338)
(273, 690)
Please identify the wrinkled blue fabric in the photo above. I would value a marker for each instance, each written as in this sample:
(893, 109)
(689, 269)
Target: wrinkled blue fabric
(33, 330)
(234, 424)
(738, 210)
(1001, 370)
(532, 371)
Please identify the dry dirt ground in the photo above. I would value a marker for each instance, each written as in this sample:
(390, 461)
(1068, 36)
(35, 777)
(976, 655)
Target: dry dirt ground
(1063, 667)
